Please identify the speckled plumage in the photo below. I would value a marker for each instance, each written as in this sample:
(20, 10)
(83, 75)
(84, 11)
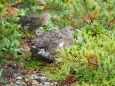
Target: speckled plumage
(45, 44)
(35, 21)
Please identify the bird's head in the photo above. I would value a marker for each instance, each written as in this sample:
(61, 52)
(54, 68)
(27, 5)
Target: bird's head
(69, 28)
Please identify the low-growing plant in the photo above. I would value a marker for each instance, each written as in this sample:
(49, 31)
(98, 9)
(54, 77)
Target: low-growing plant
(35, 63)
(9, 36)
(91, 57)
(23, 57)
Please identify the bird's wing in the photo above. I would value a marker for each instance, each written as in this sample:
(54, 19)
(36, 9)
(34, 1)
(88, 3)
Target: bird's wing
(24, 20)
(38, 42)
(46, 38)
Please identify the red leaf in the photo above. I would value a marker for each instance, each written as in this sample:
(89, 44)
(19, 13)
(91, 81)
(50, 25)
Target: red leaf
(11, 10)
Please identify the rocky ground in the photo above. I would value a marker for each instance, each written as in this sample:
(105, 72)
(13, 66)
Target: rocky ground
(16, 76)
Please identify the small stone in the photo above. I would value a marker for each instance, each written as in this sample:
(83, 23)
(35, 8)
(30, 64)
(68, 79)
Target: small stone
(38, 85)
(19, 77)
(24, 72)
(34, 82)
(33, 76)
(39, 80)
(27, 80)
(14, 66)
(55, 83)
(19, 52)
(51, 84)
(19, 83)
(29, 84)
(47, 83)
(43, 78)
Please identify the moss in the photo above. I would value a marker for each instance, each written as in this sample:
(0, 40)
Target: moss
(36, 62)
(23, 57)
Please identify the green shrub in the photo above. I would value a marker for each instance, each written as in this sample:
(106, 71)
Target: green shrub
(92, 57)
(9, 36)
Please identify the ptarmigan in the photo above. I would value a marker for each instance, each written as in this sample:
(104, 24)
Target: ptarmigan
(45, 44)
(35, 21)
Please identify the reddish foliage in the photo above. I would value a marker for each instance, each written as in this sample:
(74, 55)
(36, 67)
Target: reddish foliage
(69, 80)
(11, 10)
(32, 70)
(90, 16)
(92, 61)
(70, 76)
(109, 11)
(40, 68)
(10, 59)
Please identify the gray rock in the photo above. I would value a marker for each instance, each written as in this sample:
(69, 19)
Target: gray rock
(51, 84)
(39, 80)
(19, 83)
(33, 76)
(47, 84)
(45, 44)
(19, 77)
(55, 83)
(34, 82)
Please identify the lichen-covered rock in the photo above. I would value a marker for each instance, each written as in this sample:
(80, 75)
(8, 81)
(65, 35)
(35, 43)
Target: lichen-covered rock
(35, 21)
(45, 44)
